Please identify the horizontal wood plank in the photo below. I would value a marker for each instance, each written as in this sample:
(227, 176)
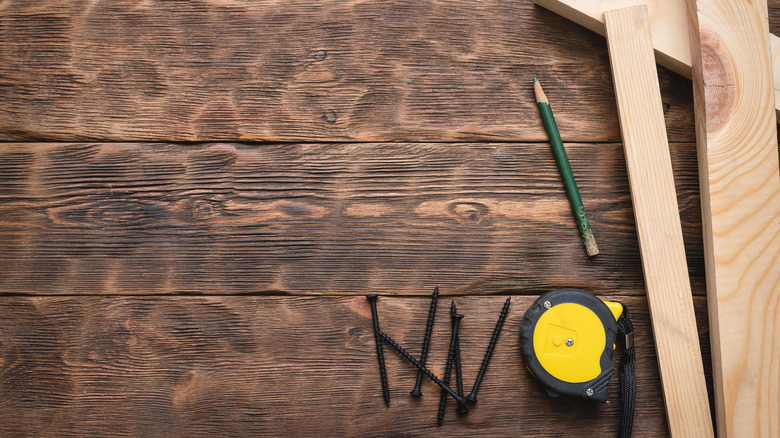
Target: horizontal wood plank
(321, 219)
(249, 366)
(430, 70)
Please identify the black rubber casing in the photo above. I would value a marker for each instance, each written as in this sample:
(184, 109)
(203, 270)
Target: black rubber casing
(554, 386)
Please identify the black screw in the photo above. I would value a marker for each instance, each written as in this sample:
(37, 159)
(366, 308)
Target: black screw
(379, 354)
(473, 396)
(421, 367)
(450, 358)
(458, 374)
(462, 409)
(426, 341)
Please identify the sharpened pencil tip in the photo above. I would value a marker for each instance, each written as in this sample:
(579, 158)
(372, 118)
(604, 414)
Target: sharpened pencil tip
(540, 97)
(536, 79)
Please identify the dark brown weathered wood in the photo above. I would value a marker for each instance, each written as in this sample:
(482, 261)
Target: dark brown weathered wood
(429, 70)
(774, 14)
(320, 219)
(249, 366)
(81, 220)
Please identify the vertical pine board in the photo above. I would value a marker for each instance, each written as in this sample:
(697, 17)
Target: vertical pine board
(740, 195)
(658, 221)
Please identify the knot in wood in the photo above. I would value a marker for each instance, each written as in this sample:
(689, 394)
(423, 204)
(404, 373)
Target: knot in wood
(329, 116)
(469, 212)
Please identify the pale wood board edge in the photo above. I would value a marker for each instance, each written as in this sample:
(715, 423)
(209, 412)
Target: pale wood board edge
(658, 224)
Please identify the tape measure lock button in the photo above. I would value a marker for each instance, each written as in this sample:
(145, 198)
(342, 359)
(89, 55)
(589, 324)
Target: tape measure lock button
(567, 340)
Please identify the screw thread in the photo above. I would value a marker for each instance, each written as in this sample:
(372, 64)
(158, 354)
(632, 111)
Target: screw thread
(379, 353)
(420, 366)
(473, 396)
(448, 368)
(426, 340)
(458, 376)
(458, 371)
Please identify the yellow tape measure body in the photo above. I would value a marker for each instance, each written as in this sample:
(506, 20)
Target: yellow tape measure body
(567, 340)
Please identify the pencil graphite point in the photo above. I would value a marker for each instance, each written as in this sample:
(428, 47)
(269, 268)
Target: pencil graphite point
(540, 96)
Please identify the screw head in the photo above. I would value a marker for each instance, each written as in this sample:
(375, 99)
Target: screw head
(547, 304)
(569, 342)
(589, 392)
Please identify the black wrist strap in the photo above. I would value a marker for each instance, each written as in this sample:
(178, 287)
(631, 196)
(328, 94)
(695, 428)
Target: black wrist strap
(627, 376)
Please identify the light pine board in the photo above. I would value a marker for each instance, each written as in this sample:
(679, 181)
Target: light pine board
(740, 195)
(658, 221)
(668, 24)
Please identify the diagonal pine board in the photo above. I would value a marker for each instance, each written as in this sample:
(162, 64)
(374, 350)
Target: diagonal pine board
(658, 221)
(669, 28)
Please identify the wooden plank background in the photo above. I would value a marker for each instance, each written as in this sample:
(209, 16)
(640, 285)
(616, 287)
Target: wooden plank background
(474, 218)
(282, 160)
(184, 366)
(298, 71)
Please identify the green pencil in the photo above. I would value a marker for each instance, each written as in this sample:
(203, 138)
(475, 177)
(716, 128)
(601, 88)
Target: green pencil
(565, 168)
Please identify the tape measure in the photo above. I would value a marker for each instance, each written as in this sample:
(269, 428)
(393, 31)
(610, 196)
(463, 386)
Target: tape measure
(567, 339)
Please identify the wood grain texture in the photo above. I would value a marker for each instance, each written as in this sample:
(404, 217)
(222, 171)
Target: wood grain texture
(658, 221)
(320, 219)
(430, 70)
(738, 162)
(669, 29)
(668, 24)
(249, 366)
